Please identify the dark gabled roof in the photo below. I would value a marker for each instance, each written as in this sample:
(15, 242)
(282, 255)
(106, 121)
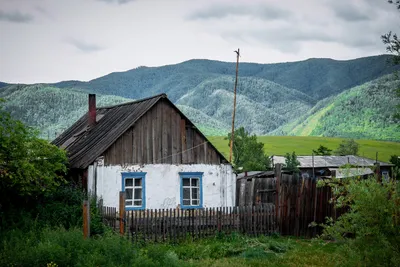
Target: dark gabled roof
(84, 144)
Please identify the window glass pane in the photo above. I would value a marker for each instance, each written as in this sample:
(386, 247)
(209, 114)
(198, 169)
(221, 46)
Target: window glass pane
(129, 182)
(195, 182)
(128, 193)
(186, 193)
(128, 202)
(186, 202)
(137, 203)
(138, 193)
(186, 181)
(195, 202)
(195, 193)
(138, 182)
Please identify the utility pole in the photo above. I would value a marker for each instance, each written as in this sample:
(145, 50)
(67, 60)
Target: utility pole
(234, 104)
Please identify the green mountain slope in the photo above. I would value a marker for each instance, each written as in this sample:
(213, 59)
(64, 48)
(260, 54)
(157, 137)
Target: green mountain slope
(51, 110)
(205, 123)
(364, 112)
(262, 106)
(311, 97)
(318, 78)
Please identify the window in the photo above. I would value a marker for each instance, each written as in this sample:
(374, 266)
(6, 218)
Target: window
(191, 190)
(133, 184)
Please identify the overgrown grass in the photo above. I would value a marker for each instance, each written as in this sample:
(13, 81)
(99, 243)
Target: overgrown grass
(68, 248)
(303, 145)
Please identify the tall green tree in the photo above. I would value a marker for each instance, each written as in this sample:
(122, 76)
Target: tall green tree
(28, 165)
(248, 153)
(291, 162)
(392, 43)
(347, 147)
(322, 151)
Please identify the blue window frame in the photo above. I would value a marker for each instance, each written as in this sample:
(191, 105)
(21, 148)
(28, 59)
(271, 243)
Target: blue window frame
(134, 186)
(191, 190)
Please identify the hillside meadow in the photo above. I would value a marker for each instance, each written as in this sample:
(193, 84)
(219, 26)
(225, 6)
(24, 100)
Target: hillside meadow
(303, 145)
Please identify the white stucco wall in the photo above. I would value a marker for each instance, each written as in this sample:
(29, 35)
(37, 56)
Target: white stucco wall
(163, 184)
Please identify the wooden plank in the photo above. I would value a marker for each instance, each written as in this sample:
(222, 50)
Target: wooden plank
(168, 110)
(189, 144)
(143, 146)
(183, 141)
(164, 133)
(149, 137)
(86, 218)
(122, 213)
(154, 133)
(174, 224)
(174, 137)
(159, 131)
(278, 173)
(178, 138)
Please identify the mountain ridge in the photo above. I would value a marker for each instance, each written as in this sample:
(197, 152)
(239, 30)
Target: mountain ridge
(270, 97)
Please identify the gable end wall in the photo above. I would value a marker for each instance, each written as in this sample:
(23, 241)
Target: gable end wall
(159, 137)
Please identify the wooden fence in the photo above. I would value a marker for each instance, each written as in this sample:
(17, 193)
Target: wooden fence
(299, 201)
(109, 217)
(177, 224)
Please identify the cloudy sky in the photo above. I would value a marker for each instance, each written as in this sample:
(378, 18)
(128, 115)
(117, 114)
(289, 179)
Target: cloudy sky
(54, 40)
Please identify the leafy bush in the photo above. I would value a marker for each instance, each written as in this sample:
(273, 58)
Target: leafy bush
(61, 247)
(371, 227)
(60, 208)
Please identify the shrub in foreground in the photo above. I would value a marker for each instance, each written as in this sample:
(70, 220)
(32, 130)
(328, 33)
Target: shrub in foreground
(371, 227)
(68, 248)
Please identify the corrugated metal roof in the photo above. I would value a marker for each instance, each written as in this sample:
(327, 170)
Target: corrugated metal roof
(331, 161)
(84, 144)
(351, 172)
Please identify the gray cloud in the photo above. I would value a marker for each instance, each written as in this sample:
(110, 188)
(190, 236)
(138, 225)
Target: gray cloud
(43, 11)
(15, 17)
(286, 39)
(255, 11)
(117, 1)
(351, 13)
(84, 46)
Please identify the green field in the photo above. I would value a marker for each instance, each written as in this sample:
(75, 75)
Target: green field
(303, 145)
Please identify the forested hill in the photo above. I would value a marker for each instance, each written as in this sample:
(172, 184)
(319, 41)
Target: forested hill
(364, 112)
(354, 98)
(317, 78)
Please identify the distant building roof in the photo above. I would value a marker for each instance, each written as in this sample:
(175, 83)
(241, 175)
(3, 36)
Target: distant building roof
(331, 161)
(351, 172)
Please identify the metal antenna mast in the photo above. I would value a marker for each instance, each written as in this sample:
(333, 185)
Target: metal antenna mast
(234, 104)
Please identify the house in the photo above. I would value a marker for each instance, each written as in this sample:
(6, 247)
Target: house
(152, 151)
(328, 166)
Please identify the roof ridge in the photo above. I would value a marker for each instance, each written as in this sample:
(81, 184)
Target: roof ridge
(162, 95)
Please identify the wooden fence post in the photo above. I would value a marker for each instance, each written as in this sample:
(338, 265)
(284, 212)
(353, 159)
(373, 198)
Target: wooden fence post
(122, 213)
(278, 175)
(86, 219)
